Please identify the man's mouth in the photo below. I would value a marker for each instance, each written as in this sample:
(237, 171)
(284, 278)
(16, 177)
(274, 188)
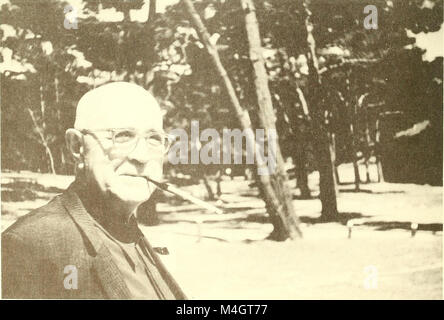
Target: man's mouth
(132, 176)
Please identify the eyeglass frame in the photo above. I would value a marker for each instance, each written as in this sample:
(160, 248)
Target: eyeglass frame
(113, 131)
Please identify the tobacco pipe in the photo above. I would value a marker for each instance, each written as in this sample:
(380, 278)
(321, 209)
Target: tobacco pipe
(165, 186)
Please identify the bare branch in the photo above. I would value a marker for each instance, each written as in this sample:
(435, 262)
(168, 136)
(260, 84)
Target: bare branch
(43, 140)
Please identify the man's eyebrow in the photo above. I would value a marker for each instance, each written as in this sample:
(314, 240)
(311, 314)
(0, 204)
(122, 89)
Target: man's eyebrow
(161, 131)
(107, 129)
(155, 131)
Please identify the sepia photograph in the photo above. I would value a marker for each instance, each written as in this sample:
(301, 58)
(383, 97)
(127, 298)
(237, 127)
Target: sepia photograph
(221, 150)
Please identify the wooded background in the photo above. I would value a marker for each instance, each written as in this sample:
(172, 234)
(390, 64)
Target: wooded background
(335, 91)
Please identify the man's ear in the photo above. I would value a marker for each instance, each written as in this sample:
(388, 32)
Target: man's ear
(74, 141)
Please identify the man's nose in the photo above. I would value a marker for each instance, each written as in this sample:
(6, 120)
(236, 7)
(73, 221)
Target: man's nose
(140, 153)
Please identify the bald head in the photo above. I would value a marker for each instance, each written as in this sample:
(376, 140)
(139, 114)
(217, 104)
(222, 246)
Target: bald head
(118, 105)
(111, 170)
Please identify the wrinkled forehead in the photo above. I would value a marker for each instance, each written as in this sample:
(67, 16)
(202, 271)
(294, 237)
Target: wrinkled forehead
(118, 105)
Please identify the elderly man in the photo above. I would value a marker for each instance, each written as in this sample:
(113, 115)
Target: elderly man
(85, 243)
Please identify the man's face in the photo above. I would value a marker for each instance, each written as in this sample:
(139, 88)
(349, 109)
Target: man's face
(114, 167)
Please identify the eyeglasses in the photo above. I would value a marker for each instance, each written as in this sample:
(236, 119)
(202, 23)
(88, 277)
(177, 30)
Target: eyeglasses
(125, 140)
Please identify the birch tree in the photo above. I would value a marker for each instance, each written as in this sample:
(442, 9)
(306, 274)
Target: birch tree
(276, 193)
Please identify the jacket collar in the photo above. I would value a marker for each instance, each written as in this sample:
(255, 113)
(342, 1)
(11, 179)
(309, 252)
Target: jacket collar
(104, 266)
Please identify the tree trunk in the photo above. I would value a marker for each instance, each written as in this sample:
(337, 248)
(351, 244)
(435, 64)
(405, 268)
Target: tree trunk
(56, 88)
(356, 171)
(334, 162)
(300, 161)
(300, 158)
(351, 117)
(210, 192)
(63, 161)
(332, 139)
(370, 146)
(300, 142)
(327, 183)
(285, 222)
(367, 171)
(354, 157)
(152, 13)
(301, 172)
(266, 113)
(378, 152)
(218, 182)
(337, 178)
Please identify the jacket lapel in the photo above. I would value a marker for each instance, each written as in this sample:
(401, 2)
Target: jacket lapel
(104, 267)
(109, 275)
(171, 282)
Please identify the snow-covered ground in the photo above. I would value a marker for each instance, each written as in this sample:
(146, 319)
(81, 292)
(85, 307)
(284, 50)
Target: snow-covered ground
(226, 256)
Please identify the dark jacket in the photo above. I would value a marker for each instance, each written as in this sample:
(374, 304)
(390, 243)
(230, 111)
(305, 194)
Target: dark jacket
(39, 246)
